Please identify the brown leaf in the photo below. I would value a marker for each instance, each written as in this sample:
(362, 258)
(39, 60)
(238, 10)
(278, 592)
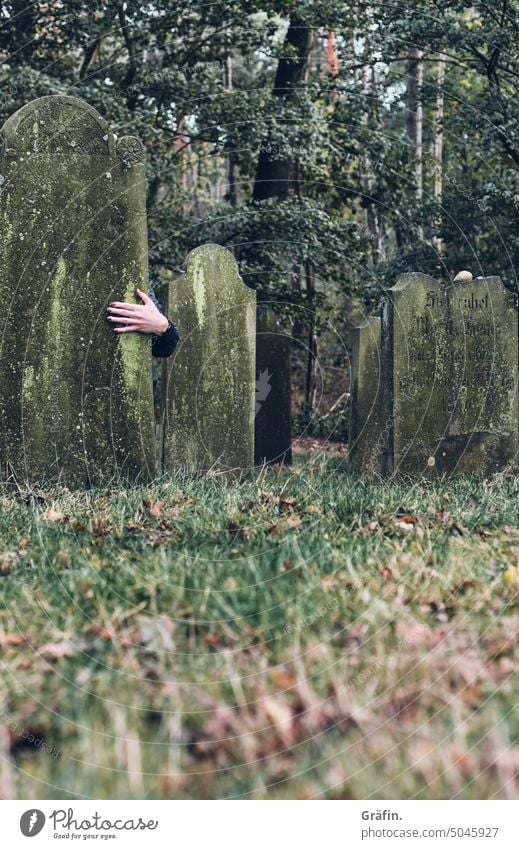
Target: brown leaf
(404, 526)
(7, 561)
(293, 521)
(287, 502)
(101, 527)
(55, 651)
(155, 633)
(237, 531)
(155, 508)
(329, 582)
(8, 639)
(284, 679)
(54, 516)
(280, 714)
(99, 631)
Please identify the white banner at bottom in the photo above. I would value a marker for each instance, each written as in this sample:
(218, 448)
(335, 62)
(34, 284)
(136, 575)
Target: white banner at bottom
(260, 825)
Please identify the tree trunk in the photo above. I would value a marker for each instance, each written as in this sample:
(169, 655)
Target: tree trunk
(366, 179)
(438, 150)
(274, 173)
(232, 193)
(414, 114)
(313, 351)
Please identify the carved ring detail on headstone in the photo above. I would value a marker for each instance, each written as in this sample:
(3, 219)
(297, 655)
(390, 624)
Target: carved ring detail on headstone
(130, 150)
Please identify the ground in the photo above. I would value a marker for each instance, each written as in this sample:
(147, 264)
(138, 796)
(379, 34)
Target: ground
(295, 634)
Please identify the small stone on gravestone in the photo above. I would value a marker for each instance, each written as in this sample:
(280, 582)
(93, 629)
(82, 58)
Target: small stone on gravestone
(75, 398)
(450, 377)
(365, 442)
(211, 377)
(273, 431)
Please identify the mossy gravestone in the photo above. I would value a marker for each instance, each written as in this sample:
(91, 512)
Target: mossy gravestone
(75, 399)
(450, 377)
(210, 382)
(483, 401)
(365, 441)
(273, 430)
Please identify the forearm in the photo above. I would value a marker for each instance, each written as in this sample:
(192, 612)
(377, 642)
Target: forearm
(164, 345)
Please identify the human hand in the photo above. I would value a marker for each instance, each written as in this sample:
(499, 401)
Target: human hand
(144, 318)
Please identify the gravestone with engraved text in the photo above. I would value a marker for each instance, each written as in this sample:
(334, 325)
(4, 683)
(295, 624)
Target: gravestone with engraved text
(450, 377)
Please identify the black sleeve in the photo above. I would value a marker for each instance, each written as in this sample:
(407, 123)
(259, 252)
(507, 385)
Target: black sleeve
(163, 346)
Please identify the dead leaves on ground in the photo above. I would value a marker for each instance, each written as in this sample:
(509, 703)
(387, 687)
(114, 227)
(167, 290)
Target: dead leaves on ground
(271, 722)
(404, 522)
(272, 514)
(57, 650)
(52, 515)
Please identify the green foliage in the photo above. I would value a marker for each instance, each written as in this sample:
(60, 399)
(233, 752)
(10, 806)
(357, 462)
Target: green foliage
(197, 83)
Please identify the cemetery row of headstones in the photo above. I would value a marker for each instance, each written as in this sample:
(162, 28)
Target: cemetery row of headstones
(435, 376)
(76, 402)
(435, 380)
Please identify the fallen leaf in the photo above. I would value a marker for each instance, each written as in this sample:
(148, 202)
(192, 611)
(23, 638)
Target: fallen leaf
(99, 631)
(155, 633)
(54, 516)
(237, 531)
(155, 508)
(284, 679)
(293, 521)
(287, 502)
(511, 576)
(55, 651)
(7, 561)
(280, 715)
(101, 527)
(404, 526)
(329, 582)
(8, 639)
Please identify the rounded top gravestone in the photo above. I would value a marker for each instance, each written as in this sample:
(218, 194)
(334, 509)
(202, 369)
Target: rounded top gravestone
(75, 399)
(211, 378)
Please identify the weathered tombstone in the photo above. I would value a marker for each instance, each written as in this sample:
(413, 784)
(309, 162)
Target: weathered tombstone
(273, 428)
(450, 377)
(75, 398)
(413, 374)
(483, 401)
(365, 442)
(210, 380)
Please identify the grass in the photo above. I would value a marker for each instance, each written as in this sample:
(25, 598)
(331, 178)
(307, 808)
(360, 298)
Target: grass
(296, 634)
